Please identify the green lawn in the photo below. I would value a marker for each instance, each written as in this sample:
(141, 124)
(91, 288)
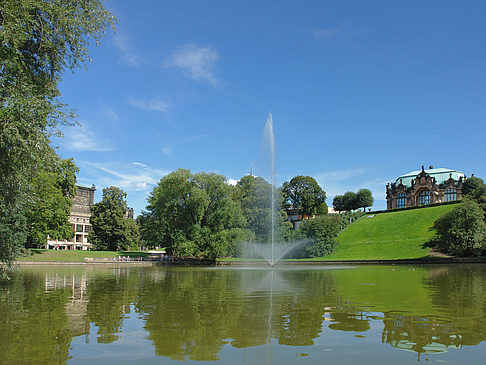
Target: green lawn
(74, 256)
(389, 236)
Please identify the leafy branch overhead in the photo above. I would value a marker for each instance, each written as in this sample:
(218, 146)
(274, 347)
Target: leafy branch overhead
(39, 41)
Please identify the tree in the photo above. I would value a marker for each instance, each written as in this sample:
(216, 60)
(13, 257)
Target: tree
(110, 229)
(254, 195)
(194, 215)
(320, 233)
(364, 199)
(39, 40)
(474, 187)
(338, 203)
(350, 201)
(304, 194)
(53, 192)
(462, 231)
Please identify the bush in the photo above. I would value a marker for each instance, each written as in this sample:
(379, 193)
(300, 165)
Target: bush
(462, 231)
(320, 234)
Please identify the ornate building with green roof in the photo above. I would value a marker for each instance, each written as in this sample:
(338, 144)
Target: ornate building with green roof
(424, 187)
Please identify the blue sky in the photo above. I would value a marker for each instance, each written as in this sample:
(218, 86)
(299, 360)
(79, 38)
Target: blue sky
(360, 92)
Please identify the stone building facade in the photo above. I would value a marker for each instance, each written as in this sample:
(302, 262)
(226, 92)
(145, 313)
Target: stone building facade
(425, 187)
(79, 218)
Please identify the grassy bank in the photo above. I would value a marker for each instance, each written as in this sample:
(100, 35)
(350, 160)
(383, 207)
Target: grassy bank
(74, 256)
(389, 236)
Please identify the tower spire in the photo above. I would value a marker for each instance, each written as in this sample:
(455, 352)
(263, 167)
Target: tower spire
(251, 168)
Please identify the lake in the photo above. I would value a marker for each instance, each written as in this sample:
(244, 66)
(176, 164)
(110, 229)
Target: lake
(244, 315)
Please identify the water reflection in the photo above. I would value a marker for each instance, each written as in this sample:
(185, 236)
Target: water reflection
(198, 314)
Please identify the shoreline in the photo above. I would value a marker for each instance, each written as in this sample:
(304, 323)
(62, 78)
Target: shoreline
(423, 261)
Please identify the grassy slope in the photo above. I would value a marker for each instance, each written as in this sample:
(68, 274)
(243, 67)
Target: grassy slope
(388, 236)
(74, 256)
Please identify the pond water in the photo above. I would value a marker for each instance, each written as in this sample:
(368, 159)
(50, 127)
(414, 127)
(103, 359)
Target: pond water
(287, 315)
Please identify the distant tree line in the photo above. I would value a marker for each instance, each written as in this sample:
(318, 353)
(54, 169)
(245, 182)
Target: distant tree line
(352, 201)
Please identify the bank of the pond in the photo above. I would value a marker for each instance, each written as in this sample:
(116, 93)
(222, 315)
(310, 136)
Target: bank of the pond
(396, 235)
(420, 261)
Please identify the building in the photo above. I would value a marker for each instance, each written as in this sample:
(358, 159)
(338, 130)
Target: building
(424, 187)
(79, 218)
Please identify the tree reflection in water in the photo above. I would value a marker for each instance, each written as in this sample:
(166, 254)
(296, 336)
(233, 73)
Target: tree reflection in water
(194, 313)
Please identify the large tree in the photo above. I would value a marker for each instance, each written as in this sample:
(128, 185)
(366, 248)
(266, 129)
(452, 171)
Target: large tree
(254, 195)
(364, 198)
(111, 229)
(194, 215)
(304, 194)
(39, 40)
(53, 191)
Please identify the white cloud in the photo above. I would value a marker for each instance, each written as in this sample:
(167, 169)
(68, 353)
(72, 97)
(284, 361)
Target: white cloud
(158, 104)
(134, 177)
(139, 164)
(166, 150)
(196, 62)
(232, 182)
(82, 138)
(124, 46)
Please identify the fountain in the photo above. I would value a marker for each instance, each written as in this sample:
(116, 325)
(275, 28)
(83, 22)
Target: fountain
(272, 252)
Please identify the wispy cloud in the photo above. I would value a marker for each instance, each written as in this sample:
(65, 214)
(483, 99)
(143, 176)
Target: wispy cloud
(82, 138)
(166, 150)
(196, 137)
(140, 164)
(123, 44)
(340, 181)
(328, 32)
(196, 62)
(335, 32)
(158, 104)
(133, 177)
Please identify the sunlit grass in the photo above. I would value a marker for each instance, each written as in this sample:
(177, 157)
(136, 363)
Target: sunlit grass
(389, 236)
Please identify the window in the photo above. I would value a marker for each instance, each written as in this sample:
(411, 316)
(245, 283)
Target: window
(424, 197)
(401, 200)
(79, 228)
(87, 228)
(450, 195)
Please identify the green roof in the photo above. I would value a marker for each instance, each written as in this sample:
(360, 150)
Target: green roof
(440, 174)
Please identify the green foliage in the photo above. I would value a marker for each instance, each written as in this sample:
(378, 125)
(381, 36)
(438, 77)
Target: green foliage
(474, 187)
(320, 234)
(304, 194)
(193, 215)
(352, 201)
(338, 203)
(462, 231)
(364, 198)
(38, 41)
(111, 230)
(254, 194)
(52, 194)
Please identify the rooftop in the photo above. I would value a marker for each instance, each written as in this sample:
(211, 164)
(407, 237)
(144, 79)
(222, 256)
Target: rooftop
(440, 175)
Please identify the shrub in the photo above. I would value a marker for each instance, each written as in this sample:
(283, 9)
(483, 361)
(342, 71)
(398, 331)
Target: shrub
(462, 231)
(320, 234)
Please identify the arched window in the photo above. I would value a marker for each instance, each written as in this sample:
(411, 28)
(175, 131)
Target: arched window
(424, 197)
(401, 200)
(450, 195)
